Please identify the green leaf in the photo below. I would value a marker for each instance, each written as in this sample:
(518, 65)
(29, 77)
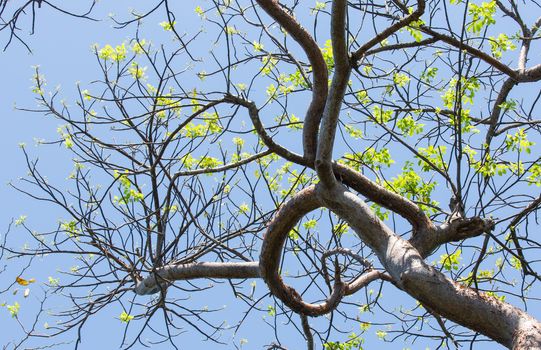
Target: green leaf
(310, 224)
(20, 220)
(271, 310)
(168, 26)
(482, 16)
(125, 317)
(409, 126)
(451, 261)
(14, 309)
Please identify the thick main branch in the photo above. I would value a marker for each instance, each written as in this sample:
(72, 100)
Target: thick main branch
(319, 71)
(499, 321)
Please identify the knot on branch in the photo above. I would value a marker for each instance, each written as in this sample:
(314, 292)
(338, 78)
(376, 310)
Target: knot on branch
(148, 286)
(454, 230)
(462, 228)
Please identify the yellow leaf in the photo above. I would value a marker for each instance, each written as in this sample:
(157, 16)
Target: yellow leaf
(24, 282)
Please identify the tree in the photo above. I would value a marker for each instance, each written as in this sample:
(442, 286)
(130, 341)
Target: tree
(416, 170)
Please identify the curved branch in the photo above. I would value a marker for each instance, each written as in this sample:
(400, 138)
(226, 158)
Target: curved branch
(382, 196)
(319, 70)
(365, 279)
(502, 67)
(253, 112)
(273, 243)
(401, 46)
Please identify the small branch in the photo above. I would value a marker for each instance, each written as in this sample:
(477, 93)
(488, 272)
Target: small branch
(441, 323)
(253, 112)
(496, 110)
(307, 333)
(365, 279)
(472, 51)
(223, 168)
(387, 32)
(169, 273)
(516, 125)
(401, 46)
(360, 282)
(533, 206)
